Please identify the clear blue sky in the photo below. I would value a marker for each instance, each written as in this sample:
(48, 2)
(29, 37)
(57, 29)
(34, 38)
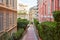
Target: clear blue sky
(30, 3)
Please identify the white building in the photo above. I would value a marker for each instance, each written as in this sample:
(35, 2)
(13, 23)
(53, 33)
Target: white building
(33, 13)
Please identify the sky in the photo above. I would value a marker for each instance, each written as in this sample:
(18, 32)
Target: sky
(29, 3)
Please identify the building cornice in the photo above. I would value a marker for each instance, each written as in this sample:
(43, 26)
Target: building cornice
(8, 8)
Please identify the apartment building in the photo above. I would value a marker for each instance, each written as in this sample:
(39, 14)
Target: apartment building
(8, 16)
(33, 13)
(46, 7)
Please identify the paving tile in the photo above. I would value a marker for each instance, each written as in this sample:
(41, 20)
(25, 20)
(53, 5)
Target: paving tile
(30, 35)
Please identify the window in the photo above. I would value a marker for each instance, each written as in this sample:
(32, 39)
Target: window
(40, 1)
(7, 20)
(52, 5)
(7, 2)
(59, 3)
(48, 7)
(13, 17)
(13, 3)
(10, 2)
(1, 1)
(1, 21)
(45, 9)
(11, 20)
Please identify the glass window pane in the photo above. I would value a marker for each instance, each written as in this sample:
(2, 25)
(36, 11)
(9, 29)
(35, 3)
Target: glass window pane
(7, 2)
(7, 20)
(59, 3)
(1, 21)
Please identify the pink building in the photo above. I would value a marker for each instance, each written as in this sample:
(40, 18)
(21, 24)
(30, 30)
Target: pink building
(45, 9)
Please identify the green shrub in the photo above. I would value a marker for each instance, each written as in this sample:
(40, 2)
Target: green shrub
(5, 36)
(36, 22)
(18, 34)
(22, 23)
(56, 15)
(40, 30)
(14, 36)
(11, 38)
(48, 31)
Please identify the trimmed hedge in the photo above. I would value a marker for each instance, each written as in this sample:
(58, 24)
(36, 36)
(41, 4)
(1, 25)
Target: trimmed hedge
(18, 34)
(56, 15)
(5, 36)
(48, 31)
(22, 23)
(14, 36)
(36, 22)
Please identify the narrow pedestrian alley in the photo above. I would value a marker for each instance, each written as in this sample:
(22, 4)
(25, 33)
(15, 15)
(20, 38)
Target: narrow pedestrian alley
(30, 35)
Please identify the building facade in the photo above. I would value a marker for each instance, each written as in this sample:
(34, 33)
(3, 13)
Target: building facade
(45, 9)
(33, 13)
(8, 16)
(23, 14)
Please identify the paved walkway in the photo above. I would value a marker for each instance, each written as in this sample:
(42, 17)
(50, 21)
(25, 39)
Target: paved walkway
(30, 35)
